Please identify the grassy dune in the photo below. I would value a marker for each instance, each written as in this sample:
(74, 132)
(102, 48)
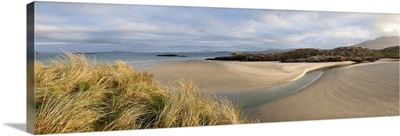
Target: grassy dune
(76, 94)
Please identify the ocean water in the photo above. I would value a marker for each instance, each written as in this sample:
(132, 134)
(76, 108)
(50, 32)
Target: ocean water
(139, 61)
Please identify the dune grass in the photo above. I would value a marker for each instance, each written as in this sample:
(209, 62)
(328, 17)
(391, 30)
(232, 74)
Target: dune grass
(77, 94)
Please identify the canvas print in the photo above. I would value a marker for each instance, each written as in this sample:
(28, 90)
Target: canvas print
(105, 67)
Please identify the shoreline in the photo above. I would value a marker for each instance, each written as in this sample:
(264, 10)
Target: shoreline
(313, 102)
(232, 76)
(266, 95)
(365, 90)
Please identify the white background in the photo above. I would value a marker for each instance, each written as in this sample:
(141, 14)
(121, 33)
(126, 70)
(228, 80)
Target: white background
(13, 72)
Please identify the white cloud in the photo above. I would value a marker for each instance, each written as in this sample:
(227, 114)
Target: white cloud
(65, 28)
(48, 19)
(390, 24)
(51, 43)
(347, 32)
(140, 27)
(125, 25)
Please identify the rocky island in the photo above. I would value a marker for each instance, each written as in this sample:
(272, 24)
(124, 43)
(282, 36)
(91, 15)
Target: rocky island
(356, 54)
(170, 55)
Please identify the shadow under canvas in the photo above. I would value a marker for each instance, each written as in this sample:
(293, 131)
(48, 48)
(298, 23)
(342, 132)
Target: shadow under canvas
(18, 126)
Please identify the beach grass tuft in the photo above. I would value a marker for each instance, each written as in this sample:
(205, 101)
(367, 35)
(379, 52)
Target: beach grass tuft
(78, 94)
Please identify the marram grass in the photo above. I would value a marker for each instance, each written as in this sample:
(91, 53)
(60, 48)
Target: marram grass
(77, 94)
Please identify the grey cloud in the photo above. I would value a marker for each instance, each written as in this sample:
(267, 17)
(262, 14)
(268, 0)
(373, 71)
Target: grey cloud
(159, 28)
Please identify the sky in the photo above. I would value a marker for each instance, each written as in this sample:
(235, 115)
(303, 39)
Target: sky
(111, 27)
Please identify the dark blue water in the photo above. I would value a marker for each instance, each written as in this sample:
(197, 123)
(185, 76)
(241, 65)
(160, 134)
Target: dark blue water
(137, 60)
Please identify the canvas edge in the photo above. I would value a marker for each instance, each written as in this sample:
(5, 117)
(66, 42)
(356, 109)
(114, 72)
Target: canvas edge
(30, 54)
(30, 61)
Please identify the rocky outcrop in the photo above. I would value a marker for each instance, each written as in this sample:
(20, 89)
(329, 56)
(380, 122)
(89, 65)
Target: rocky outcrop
(248, 57)
(389, 52)
(168, 55)
(356, 54)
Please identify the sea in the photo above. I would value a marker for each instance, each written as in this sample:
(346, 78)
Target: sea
(139, 61)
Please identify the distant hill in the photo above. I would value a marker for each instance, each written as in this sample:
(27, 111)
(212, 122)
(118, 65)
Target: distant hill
(380, 42)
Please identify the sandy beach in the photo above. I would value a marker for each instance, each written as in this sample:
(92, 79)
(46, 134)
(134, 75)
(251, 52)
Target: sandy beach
(361, 90)
(234, 76)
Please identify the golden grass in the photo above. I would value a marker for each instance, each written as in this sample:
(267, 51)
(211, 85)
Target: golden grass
(76, 94)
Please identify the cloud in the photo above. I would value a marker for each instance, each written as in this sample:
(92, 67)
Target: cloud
(389, 25)
(71, 26)
(51, 43)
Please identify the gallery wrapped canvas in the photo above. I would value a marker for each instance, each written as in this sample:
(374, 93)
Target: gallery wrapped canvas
(106, 67)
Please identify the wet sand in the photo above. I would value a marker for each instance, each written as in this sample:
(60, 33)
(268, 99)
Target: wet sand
(361, 90)
(234, 76)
